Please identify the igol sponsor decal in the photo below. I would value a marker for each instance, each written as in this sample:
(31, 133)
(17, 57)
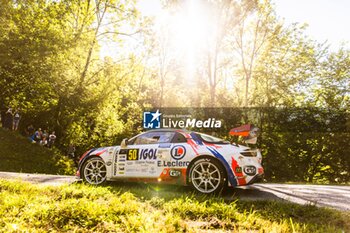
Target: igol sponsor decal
(143, 154)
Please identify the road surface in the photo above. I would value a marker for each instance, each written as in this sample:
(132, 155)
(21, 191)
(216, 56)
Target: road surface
(332, 196)
(39, 178)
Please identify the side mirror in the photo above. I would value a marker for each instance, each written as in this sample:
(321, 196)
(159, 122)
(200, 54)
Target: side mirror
(124, 143)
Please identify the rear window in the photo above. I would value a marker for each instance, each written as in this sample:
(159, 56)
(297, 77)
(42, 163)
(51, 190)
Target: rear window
(179, 138)
(212, 139)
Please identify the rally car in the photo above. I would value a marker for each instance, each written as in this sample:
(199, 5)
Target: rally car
(174, 156)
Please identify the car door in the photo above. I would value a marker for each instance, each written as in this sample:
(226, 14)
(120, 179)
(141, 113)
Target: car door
(140, 157)
(175, 159)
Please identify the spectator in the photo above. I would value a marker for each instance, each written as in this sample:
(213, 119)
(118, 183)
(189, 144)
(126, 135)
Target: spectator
(71, 150)
(3, 115)
(38, 135)
(52, 138)
(70, 153)
(43, 141)
(44, 134)
(16, 119)
(8, 119)
(30, 130)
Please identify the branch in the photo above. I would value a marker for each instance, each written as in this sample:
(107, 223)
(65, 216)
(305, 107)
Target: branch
(119, 33)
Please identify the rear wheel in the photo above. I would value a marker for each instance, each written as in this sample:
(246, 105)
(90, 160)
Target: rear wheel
(206, 175)
(94, 171)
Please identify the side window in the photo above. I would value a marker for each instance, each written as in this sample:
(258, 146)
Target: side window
(179, 138)
(166, 137)
(154, 138)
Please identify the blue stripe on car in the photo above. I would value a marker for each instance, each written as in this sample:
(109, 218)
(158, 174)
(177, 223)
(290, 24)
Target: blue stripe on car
(196, 139)
(231, 177)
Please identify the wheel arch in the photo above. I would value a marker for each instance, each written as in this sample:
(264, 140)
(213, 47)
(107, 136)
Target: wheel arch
(85, 159)
(96, 174)
(201, 157)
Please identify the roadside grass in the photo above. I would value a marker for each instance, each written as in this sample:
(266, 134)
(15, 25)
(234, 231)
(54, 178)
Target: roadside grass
(151, 208)
(17, 154)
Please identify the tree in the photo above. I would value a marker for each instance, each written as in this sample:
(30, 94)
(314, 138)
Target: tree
(332, 87)
(288, 62)
(255, 28)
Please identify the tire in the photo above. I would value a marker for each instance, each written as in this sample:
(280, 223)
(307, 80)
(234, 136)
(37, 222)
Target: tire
(207, 175)
(94, 171)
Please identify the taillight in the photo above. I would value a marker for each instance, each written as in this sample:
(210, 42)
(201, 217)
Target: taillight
(249, 153)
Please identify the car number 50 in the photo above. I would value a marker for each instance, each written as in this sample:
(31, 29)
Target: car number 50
(132, 154)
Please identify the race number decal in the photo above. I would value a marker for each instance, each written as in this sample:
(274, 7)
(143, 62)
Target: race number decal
(136, 154)
(132, 154)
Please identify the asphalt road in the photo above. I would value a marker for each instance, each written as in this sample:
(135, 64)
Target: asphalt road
(332, 196)
(39, 178)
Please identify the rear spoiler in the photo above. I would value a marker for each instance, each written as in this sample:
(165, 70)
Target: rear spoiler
(249, 133)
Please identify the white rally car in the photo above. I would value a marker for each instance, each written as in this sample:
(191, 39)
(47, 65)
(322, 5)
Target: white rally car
(174, 156)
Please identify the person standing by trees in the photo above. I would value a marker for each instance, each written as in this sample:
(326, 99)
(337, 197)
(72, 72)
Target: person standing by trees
(8, 119)
(71, 152)
(3, 116)
(16, 119)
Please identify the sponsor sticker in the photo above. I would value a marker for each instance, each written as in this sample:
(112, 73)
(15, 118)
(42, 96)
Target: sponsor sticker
(175, 173)
(238, 169)
(173, 163)
(178, 152)
(137, 154)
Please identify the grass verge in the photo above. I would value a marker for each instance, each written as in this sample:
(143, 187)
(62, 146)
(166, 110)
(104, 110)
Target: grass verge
(151, 208)
(17, 154)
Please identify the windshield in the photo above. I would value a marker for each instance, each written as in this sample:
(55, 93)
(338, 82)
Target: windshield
(212, 139)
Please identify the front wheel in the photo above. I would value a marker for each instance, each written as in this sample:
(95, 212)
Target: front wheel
(94, 171)
(206, 175)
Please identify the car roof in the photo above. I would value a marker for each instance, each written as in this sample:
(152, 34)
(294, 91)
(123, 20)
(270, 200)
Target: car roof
(170, 129)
